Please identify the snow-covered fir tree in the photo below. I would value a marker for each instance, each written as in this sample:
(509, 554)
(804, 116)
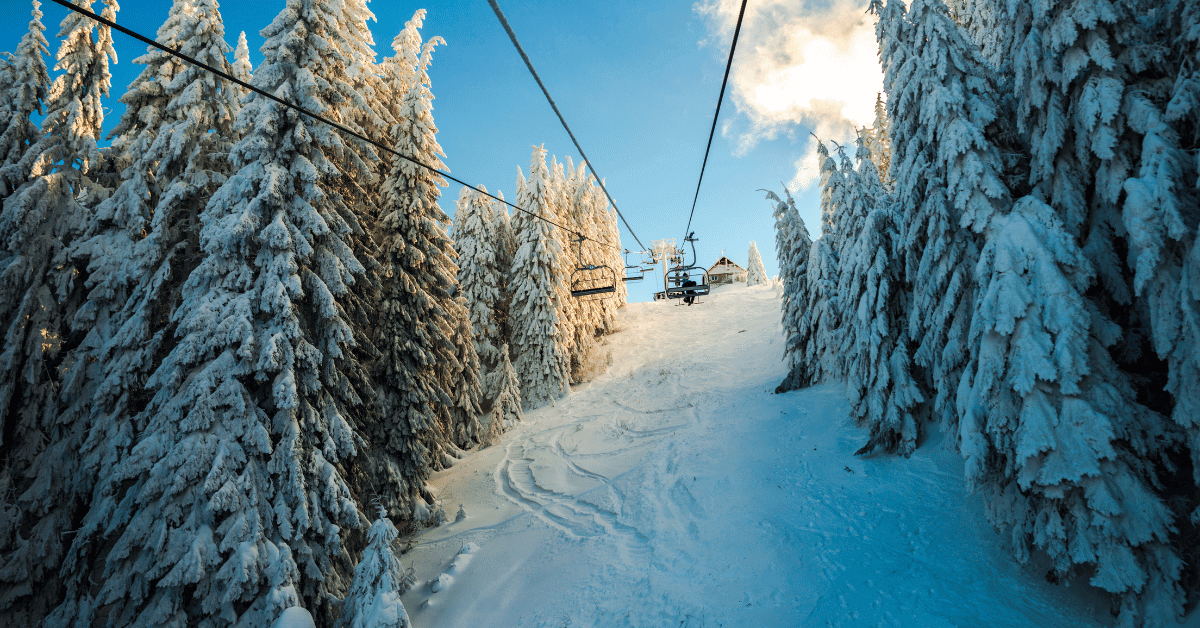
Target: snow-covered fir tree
(557, 208)
(818, 326)
(40, 293)
(427, 376)
(944, 181)
(256, 410)
(792, 244)
(756, 273)
(398, 74)
(504, 244)
(25, 88)
(586, 313)
(479, 272)
(142, 243)
(883, 393)
(242, 69)
(879, 141)
(1043, 395)
(505, 389)
(542, 360)
(374, 597)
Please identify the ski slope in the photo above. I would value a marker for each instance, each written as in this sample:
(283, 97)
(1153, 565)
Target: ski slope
(677, 490)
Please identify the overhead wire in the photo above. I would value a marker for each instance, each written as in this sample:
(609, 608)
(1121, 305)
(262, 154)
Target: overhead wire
(315, 116)
(721, 97)
(513, 37)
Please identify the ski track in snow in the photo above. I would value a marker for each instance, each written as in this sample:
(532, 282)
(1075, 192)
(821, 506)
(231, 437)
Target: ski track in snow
(676, 490)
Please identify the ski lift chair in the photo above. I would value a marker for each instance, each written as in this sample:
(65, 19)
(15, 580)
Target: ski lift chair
(592, 281)
(682, 274)
(633, 272)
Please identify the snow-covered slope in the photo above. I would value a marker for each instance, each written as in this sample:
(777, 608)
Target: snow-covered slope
(677, 490)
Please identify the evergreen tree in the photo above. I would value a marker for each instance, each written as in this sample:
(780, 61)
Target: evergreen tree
(792, 244)
(944, 179)
(24, 90)
(542, 361)
(142, 243)
(505, 388)
(241, 69)
(39, 296)
(478, 272)
(504, 243)
(819, 327)
(879, 142)
(398, 74)
(558, 209)
(427, 363)
(232, 503)
(1049, 430)
(883, 393)
(374, 597)
(756, 273)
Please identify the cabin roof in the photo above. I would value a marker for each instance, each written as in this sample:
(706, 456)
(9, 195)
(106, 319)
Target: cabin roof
(725, 261)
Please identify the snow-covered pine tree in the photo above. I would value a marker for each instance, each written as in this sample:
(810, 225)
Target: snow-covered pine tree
(819, 327)
(242, 69)
(370, 102)
(587, 313)
(947, 177)
(374, 597)
(986, 23)
(1159, 217)
(40, 292)
(792, 244)
(542, 361)
(584, 220)
(874, 341)
(504, 243)
(142, 243)
(505, 388)
(26, 89)
(399, 74)
(879, 142)
(1049, 429)
(558, 210)
(1183, 114)
(423, 330)
(465, 380)
(478, 274)
(233, 502)
(756, 273)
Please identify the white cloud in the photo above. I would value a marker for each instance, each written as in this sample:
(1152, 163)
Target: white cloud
(800, 67)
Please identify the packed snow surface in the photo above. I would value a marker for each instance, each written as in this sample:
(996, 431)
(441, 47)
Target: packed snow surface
(677, 490)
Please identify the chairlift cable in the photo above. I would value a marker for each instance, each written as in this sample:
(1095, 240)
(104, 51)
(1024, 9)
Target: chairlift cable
(315, 116)
(721, 97)
(513, 37)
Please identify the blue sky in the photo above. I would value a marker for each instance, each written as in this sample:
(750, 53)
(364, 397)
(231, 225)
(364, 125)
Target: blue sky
(637, 81)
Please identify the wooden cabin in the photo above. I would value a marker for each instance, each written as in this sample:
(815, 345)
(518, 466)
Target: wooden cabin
(726, 271)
